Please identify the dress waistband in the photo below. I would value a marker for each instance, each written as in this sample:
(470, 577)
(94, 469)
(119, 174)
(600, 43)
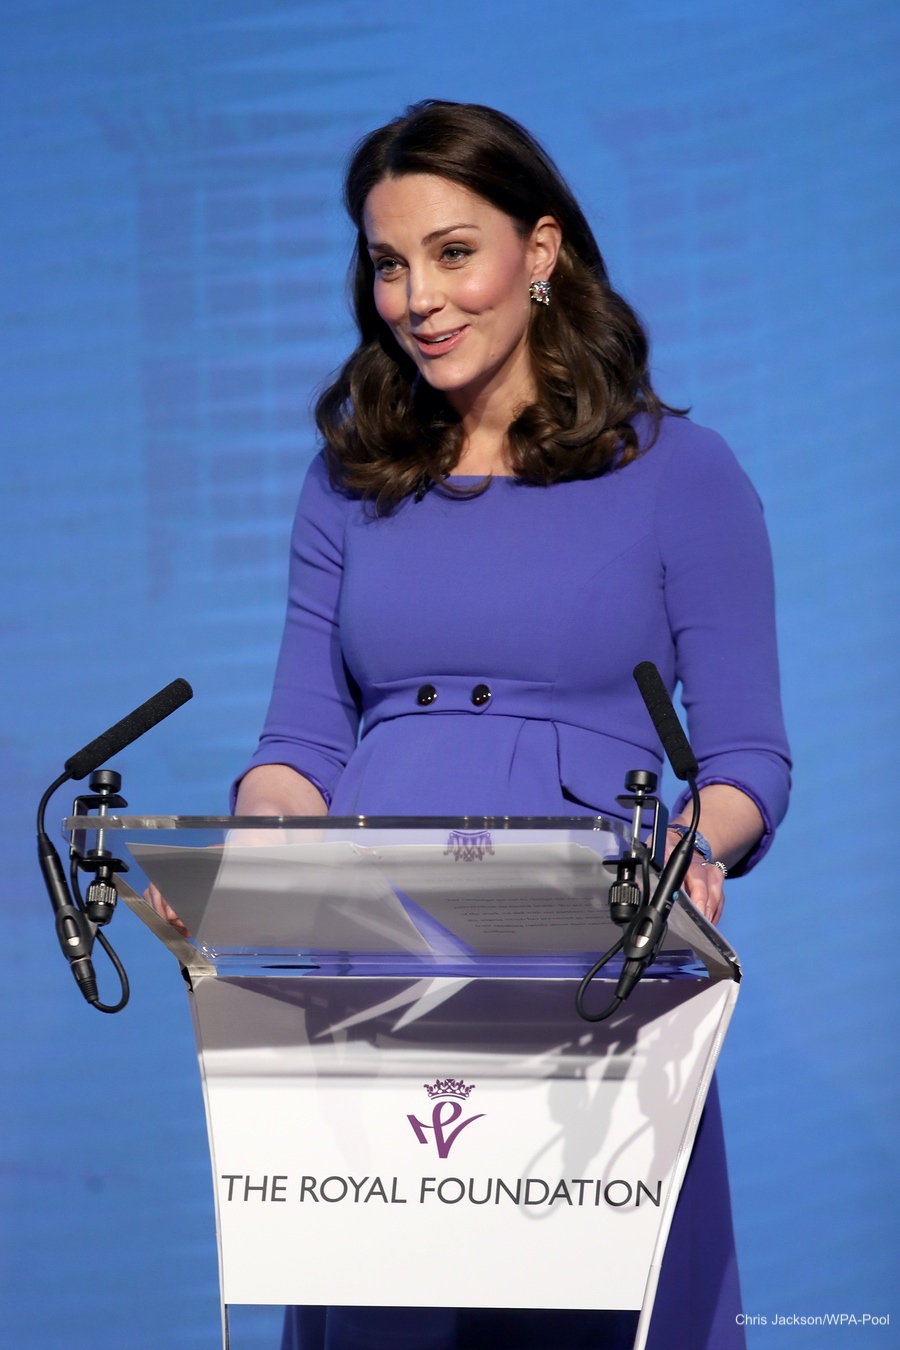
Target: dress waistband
(431, 695)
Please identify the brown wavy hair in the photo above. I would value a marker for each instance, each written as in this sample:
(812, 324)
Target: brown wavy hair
(386, 431)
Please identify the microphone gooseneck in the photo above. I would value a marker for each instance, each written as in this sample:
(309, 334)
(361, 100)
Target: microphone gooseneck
(79, 924)
(649, 928)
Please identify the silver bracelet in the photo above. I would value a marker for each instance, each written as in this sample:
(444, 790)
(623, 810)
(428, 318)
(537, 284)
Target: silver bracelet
(701, 843)
(716, 863)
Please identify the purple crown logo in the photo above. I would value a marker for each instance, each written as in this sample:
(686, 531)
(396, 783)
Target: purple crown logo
(469, 845)
(446, 1096)
(448, 1087)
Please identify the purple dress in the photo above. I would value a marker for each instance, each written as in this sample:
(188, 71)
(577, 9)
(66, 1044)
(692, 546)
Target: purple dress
(469, 656)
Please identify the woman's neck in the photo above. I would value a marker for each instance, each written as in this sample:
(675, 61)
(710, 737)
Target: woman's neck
(486, 414)
(484, 454)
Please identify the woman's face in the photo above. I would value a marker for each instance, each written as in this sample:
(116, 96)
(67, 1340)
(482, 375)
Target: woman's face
(452, 274)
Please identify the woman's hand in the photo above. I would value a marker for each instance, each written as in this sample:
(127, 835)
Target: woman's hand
(156, 901)
(267, 790)
(732, 823)
(703, 883)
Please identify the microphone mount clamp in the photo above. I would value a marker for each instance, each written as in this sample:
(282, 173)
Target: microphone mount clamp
(625, 895)
(100, 900)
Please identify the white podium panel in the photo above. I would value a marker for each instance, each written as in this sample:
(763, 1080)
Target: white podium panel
(403, 1106)
(458, 1156)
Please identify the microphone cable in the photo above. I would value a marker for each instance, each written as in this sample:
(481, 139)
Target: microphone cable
(105, 943)
(585, 984)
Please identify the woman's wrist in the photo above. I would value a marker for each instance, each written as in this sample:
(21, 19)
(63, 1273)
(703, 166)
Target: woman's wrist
(702, 848)
(278, 790)
(732, 822)
(701, 843)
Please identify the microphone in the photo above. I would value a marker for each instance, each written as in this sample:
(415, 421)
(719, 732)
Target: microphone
(91, 756)
(74, 929)
(649, 926)
(641, 941)
(665, 719)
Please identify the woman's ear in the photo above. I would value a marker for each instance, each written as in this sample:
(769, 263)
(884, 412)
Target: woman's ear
(544, 244)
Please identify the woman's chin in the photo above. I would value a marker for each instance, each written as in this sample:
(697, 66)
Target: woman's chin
(446, 380)
(455, 377)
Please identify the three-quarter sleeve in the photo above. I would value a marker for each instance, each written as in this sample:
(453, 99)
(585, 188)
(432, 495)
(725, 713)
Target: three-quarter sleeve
(720, 600)
(313, 720)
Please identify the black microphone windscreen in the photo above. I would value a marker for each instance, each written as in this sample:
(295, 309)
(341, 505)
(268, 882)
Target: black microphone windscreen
(91, 756)
(665, 719)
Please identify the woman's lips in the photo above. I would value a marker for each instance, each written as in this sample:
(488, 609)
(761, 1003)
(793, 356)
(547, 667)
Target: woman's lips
(440, 343)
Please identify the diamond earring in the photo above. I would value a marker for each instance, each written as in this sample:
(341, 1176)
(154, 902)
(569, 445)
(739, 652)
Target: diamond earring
(540, 291)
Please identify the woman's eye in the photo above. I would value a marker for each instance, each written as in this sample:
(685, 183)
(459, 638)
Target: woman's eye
(455, 253)
(386, 267)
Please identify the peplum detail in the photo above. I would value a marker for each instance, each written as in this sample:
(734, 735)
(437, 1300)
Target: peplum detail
(456, 694)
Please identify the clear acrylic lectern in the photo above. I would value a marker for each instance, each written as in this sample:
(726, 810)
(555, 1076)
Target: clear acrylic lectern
(403, 1105)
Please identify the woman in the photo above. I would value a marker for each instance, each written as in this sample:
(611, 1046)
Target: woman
(504, 520)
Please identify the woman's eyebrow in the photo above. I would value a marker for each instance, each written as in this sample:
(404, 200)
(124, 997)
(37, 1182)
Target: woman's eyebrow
(375, 247)
(448, 229)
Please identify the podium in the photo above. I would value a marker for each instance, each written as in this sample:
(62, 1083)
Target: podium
(403, 1106)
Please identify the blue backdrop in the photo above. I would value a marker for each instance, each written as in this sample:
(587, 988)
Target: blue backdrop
(172, 255)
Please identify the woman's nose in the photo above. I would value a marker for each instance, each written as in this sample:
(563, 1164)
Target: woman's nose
(424, 294)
